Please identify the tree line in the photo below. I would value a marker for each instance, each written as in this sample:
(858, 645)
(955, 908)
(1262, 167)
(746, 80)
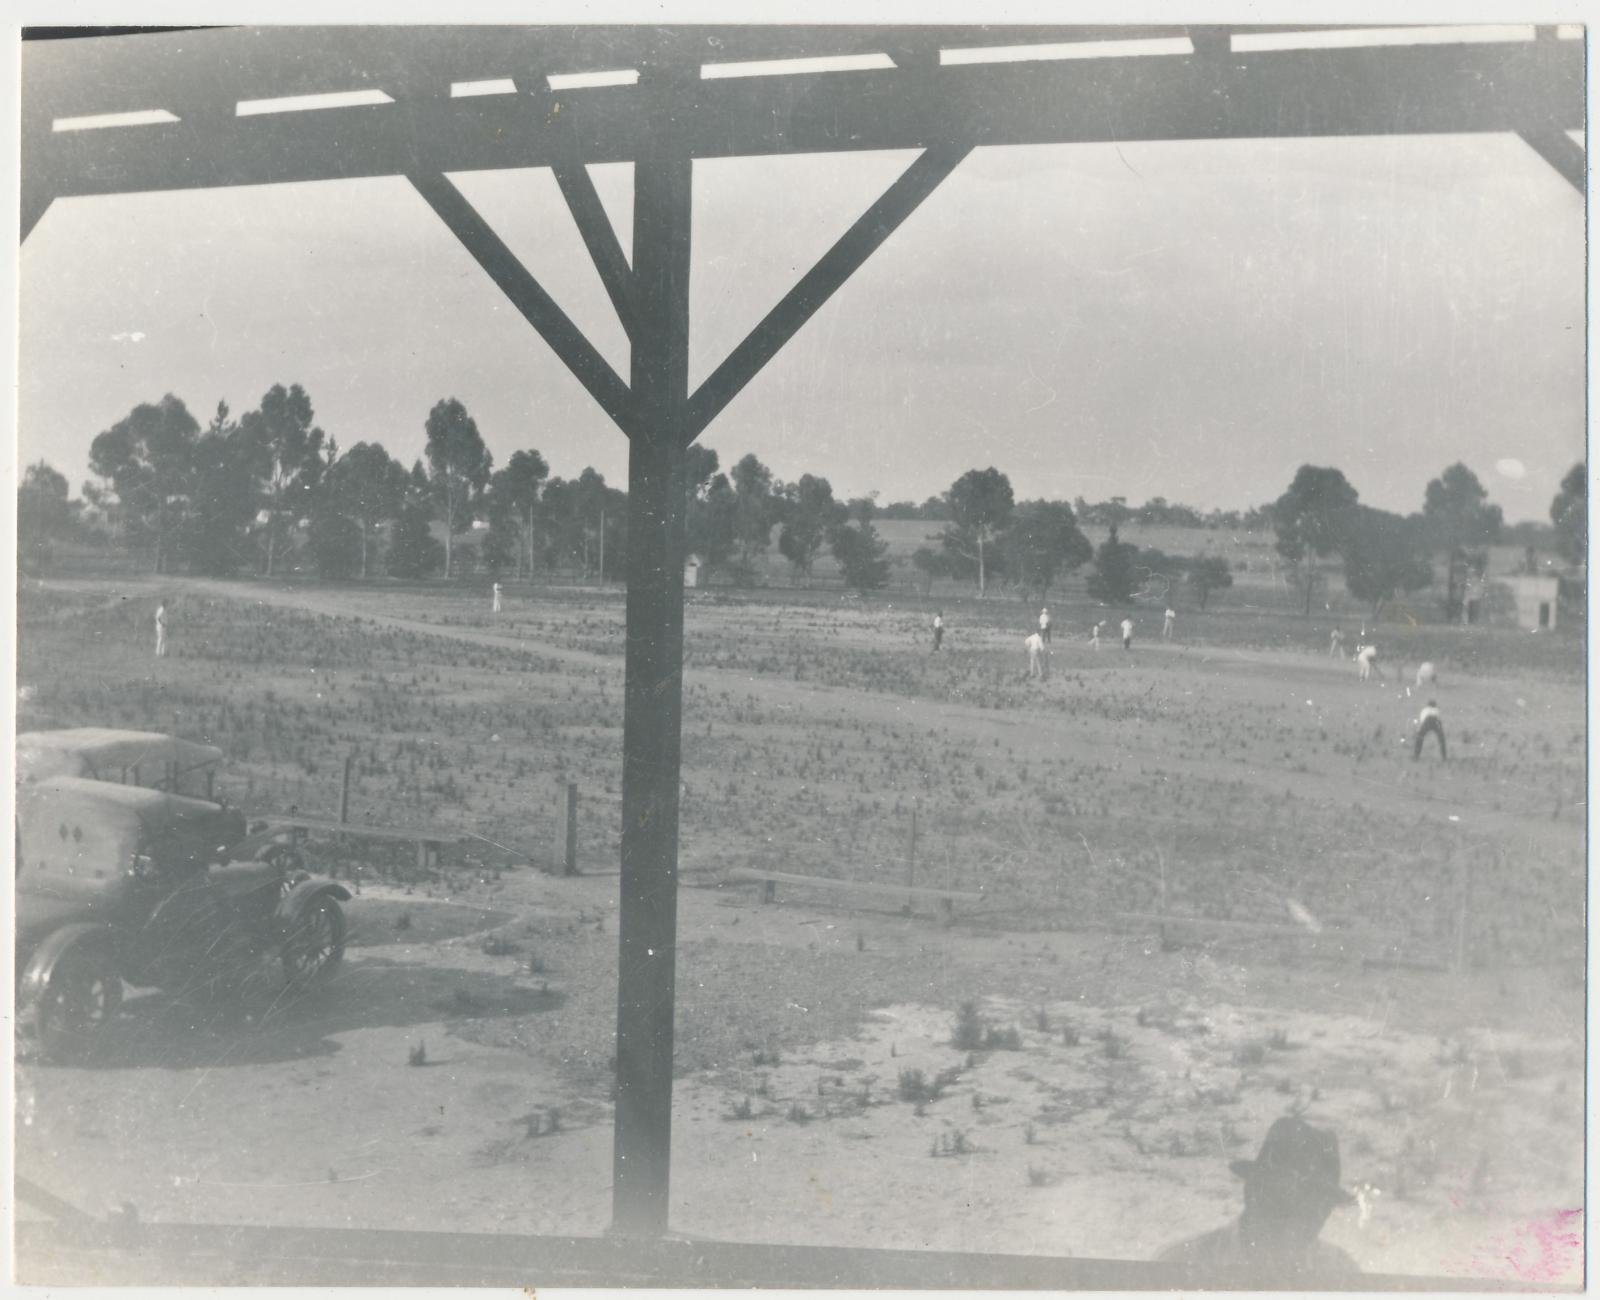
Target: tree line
(1385, 555)
(245, 493)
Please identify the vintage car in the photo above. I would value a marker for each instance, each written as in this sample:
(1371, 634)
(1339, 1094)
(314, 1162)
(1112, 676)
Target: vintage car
(135, 883)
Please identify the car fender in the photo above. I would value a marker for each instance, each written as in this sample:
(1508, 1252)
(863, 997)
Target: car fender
(42, 964)
(303, 894)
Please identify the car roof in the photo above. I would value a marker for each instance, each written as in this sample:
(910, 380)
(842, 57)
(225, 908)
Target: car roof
(83, 751)
(106, 799)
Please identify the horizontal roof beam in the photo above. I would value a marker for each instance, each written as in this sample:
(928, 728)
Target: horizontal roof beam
(1423, 89)
(80, 77)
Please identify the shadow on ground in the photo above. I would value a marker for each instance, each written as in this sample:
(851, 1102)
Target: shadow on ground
(270, 1024)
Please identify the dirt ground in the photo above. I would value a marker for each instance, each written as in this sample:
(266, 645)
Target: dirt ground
(1218, 779)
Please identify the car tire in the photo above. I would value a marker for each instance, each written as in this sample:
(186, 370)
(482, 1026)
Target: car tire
(314, 946)
(82, 998)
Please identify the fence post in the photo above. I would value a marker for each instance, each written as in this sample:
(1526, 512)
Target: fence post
(566, 845)
(1463, 892)
(344, 790)
(911, 865)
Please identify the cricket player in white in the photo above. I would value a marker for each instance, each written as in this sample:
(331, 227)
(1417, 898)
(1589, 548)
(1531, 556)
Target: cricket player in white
(1094, 635)
(1365, 654)
(1425, 674)
(1044, 624)
(1127, 634)
(161, 630)
(496, 609)
(1166, 624)
(1035, 646)
(1336, 645)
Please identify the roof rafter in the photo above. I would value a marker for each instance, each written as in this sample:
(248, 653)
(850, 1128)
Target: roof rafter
(528, 296)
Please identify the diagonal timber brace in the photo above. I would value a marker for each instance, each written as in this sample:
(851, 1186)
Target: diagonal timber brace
(528, 296)
(1561, 151)
(837, 265)
(601, 240)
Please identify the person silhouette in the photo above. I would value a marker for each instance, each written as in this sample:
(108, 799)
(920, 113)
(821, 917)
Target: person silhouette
(1290, 1189)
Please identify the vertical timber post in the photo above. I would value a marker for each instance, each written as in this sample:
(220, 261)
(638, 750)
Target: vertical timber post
(911, 864)
(653, 692)
(566, 845)
(344, 790)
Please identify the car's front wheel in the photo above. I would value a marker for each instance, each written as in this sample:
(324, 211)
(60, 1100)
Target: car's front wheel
(314, 946)
(82, 997)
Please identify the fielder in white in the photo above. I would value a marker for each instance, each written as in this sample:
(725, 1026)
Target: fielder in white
(1127, 634)
(1426, 674)
(1336, 645)
(1094, 635)
(496, 608)
(1044, 624)
(1166, 624)
(1036, 661)
(161, 630)
(1364, 656)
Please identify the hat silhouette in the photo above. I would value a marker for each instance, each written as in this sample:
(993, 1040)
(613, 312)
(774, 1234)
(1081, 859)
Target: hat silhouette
(1296, 1162)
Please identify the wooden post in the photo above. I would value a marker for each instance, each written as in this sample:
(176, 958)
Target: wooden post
(1166, 910)
(1463, 904)
(652, 739)
(344, 790)
(911, 864)
(565, 859)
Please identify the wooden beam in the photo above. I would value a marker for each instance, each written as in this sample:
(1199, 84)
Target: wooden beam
(1379, 90)
(157, 1254)
(577, 187)
(527, 295)
(652, 691)
(1561, 151)
(818, 284)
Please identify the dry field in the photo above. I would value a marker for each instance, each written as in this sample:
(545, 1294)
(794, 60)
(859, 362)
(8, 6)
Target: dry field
(1236, 773)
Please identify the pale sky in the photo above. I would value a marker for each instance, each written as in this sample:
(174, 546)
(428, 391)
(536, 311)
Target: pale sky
(1189, 320)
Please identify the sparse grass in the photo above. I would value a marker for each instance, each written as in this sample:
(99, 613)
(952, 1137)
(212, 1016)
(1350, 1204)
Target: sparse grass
(742, 1109)
(499, 945)
(1038, 1177)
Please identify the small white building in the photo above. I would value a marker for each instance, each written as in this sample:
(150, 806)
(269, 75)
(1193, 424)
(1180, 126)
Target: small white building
(1527, 600)
(691, 571)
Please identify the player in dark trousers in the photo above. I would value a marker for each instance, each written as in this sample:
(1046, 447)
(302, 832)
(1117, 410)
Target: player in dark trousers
(1428, 721)
(938, 630)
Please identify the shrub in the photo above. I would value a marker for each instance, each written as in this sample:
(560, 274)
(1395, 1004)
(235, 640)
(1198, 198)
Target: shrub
(969, 1030)
(913, 1085)
(1004, 1040)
